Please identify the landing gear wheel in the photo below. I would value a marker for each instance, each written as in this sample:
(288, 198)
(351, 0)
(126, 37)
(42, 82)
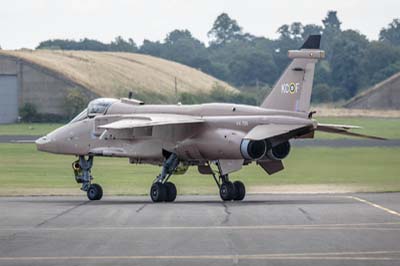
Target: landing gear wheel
(240, 190)
(171, 191)
(158, 192)
(227, 191)
(95, 192)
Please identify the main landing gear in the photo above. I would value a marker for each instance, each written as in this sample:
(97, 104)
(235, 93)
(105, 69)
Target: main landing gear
(82, 170)
(228, 190)
(162, 190)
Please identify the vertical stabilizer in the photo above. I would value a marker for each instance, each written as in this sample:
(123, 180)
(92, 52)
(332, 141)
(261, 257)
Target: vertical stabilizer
(292, 92)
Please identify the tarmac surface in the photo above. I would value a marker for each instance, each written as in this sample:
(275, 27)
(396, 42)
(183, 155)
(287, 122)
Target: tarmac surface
(264, 229)
(342, 143)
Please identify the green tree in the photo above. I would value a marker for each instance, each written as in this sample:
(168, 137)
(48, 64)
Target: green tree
(331, 31)
(182, 47)
(311, 29)
(347, 52)
(391, 34)
(224, 30)
(284, 31)
(322, 93)
(331, 22)
(121, 45)
(83, 44)
(376, 58)
(385, 72)
(289, 38)
(176, 35)
(251, 67)
(152, 48)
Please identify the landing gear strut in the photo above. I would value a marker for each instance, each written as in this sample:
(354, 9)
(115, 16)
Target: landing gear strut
(82, 171)
(162, 190)
(228, 190)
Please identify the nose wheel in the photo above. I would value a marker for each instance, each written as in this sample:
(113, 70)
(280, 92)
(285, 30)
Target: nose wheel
(94, 192)
(82, 171)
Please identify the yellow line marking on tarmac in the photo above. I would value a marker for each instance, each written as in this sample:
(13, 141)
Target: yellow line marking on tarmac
(350, 226)
(374, 205)
(368, 255)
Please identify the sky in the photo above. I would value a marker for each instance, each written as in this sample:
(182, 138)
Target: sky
(25, 23)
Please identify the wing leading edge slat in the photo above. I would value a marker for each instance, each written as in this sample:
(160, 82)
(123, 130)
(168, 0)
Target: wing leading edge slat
(151, 120)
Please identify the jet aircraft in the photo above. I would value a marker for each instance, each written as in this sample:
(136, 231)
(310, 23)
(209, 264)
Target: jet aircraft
(218, 138)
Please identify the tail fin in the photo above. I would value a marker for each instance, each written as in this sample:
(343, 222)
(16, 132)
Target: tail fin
(292, 92)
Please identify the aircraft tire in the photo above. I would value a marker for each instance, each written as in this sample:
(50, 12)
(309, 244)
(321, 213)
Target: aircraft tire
(95, 192)
(240, 190)
(158, 192)
(227, 191)
(171, 191)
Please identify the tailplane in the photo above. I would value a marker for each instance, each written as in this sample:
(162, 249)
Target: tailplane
(292, 92)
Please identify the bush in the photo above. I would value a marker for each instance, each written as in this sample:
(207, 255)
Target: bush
(75, 102)
(28, 113)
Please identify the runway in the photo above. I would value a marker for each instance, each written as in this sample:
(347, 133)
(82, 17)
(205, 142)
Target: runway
(265, 229)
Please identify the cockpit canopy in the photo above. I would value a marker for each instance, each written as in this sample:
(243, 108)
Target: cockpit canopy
(95, 107)
(99, 106)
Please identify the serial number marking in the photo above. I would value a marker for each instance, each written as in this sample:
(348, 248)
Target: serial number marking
(242, 123)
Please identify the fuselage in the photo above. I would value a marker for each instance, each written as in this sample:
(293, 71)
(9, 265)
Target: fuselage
(218, 137)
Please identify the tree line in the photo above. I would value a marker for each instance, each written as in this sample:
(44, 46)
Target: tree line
(253, 63)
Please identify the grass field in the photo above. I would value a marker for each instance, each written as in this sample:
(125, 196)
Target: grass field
(384, 127)
(25, 171)
(33, 129)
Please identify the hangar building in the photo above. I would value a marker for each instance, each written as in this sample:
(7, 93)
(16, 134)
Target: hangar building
(383, 96)
(45, 77)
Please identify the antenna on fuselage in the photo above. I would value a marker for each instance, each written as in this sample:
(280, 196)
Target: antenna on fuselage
(130, 95)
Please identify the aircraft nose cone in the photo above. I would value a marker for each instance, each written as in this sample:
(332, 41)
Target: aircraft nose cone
(45, 144)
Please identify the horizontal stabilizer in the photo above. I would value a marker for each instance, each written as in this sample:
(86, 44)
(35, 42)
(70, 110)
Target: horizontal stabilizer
(343, 130)
(268, 131)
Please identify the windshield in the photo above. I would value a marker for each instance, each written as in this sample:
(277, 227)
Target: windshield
(99, 106)
(82, 115)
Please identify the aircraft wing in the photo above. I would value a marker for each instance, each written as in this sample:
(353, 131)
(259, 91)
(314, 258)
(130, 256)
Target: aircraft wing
(148, 120)
(343, 130)
(273, 130)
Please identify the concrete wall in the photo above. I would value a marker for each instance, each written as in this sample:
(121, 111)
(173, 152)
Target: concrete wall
(386, 97)
(37, 85)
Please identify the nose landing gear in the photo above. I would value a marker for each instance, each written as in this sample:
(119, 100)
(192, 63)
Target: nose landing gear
(82, 171)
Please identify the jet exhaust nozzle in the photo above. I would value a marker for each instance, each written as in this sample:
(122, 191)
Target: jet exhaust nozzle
(279, 152)
(253, 149)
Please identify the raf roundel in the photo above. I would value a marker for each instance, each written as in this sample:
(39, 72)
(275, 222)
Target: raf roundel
(292, 88)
